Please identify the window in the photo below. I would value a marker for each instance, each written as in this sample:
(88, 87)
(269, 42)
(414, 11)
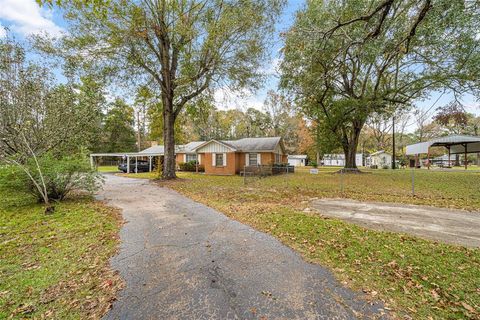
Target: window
(191, 157)
(219, 159)
(278, 158)
(252, 159)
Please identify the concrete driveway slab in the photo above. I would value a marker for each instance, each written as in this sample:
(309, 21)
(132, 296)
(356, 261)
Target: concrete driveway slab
(183, 260)
(444, 225)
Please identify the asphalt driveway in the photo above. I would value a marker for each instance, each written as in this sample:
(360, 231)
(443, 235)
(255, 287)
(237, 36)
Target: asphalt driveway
(444, 225)
(183, 260)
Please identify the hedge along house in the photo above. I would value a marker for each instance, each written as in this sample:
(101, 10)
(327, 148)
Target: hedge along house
(231, 156)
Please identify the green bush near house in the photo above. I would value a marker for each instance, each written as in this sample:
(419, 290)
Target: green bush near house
(191, 166)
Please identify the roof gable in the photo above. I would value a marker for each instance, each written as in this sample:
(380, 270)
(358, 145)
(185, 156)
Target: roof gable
(214, 146)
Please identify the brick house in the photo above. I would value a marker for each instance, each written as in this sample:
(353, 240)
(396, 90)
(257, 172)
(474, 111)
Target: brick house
(230, 156)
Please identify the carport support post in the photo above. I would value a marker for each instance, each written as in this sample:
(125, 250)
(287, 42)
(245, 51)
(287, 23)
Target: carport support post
(128, 163)
(466, 163)
(448, 163)
(149, 163)
(92, 164)
(136, 164)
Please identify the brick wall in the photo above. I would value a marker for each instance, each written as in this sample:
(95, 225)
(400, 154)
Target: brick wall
(179, 158)
(229, 169)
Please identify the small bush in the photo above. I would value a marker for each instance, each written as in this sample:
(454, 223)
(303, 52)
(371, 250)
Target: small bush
(62, 177)
(314, 164)
(191, 166)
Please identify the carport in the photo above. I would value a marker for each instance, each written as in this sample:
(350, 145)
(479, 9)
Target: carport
(128, 157)
(455, 144)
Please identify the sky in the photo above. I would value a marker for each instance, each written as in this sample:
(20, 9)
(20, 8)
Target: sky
(25, 17)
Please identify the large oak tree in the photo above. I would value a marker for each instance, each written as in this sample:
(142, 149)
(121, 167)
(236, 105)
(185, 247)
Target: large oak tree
(347, 60)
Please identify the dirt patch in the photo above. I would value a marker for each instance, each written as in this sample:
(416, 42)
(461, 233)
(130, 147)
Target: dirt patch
(444, 225)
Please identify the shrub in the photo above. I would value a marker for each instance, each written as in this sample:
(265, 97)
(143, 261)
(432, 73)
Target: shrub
(62, 176)
(314, 164)
(191, 166)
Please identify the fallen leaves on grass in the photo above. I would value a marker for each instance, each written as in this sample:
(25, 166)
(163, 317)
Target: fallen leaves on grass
(67, 256)
(415, 278)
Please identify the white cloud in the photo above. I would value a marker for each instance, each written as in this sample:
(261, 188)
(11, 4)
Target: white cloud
(3, 33)
(273, 68)
(27, 17)
(228, 99)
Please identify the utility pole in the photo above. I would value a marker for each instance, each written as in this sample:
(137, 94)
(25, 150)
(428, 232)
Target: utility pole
(394, 164)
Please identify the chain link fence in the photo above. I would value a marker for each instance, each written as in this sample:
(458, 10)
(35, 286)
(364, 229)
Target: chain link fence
(254, 173)
(445, 187)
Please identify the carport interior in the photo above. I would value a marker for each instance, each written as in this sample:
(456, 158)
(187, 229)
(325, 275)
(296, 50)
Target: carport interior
(131, 159)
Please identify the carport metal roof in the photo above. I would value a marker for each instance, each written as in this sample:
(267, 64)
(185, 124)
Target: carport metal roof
(129, 154)
(456, 144)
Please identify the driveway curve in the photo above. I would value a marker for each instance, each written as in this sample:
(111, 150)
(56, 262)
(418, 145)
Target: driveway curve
(183, 260)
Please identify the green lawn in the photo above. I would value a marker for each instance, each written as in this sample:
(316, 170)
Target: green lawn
(107, 169)
(414, 277)
(56, 266)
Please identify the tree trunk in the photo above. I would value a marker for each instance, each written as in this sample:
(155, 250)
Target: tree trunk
(351, 156)
(168, 141)
(350, 146)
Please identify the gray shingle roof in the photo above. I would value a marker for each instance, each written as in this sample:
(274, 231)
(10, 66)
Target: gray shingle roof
(154, 149)
(255, 144)
(245, 144)
(189, 147)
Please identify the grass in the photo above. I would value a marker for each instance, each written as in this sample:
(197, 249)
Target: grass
(107, 169)
(141, 175)
(417, 278)
(56, 266)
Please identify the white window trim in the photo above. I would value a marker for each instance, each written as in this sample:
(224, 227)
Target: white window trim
(224, 159)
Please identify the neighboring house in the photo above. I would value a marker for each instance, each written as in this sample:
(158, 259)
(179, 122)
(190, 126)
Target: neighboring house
(338, 159)
(229, 157)
(443, 161)
(379, 159)
(297, 160)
